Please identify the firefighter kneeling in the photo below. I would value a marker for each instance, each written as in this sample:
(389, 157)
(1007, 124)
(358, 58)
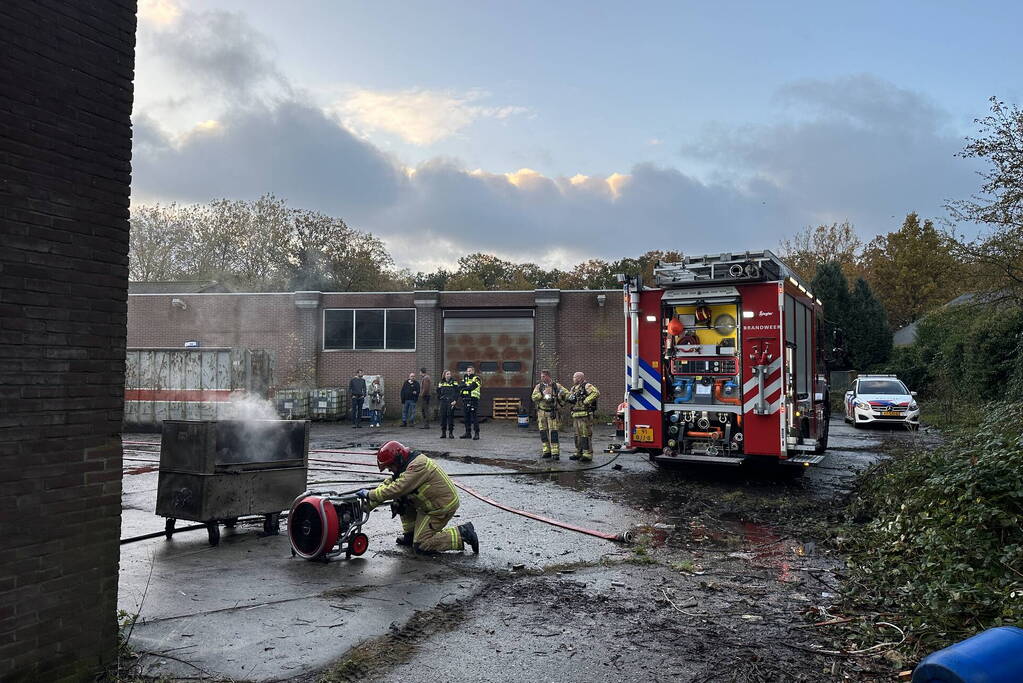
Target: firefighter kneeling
(427, 500)
(583, 398)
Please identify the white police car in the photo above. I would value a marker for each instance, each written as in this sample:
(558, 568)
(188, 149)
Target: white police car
(876, 399)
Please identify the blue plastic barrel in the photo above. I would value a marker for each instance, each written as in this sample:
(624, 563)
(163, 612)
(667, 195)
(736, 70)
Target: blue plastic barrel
(994, 656)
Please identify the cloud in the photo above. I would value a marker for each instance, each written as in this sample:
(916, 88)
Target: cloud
(419, 116)
(860, 149)
(290, 149)
(159, 12)
(855, 148)
(219, 51)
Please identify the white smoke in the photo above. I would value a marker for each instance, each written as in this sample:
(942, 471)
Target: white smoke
(251, 407)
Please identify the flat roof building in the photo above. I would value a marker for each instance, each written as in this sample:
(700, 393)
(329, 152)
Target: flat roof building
(320, 339)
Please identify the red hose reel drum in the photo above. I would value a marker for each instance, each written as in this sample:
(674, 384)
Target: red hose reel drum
(313, 527)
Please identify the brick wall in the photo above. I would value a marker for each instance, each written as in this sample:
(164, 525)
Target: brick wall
(591, 339)
(65, 170)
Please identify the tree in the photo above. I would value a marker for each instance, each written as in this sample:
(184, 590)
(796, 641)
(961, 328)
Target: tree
(260, 245)
(912, 270)
(868, 336)
(999, 205)
(830, 286)
(156, 234)
(329, 255)
(812, 247)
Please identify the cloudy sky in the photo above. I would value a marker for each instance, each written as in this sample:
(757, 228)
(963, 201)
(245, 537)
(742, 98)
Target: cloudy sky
(558, 131)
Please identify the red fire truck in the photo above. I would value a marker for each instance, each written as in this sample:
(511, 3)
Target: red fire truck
(724, 363)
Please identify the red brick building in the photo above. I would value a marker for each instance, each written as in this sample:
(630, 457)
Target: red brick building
(321, 338)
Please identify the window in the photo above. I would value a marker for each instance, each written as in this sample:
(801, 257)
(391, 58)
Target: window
(881, 386)
(369, 329)
(464, 365)
(512, 366)
(488, 366)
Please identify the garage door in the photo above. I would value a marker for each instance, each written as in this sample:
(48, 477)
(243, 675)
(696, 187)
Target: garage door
(499, 344)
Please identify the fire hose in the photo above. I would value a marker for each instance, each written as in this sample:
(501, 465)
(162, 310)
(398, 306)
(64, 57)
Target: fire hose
(625, 537)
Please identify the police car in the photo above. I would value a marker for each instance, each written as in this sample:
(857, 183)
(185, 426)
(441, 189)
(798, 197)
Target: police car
(876, 399)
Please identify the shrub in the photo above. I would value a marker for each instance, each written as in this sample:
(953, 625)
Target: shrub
(944, 544)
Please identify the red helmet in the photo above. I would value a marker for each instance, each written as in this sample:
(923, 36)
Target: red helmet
(390, 453)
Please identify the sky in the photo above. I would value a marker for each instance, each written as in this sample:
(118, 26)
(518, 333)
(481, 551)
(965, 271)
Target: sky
(554, 132)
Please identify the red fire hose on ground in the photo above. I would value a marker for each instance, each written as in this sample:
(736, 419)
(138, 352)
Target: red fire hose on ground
(625, 537)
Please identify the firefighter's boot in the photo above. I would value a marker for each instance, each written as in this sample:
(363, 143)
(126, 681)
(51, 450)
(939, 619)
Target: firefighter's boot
(587, 452)
(443, 434)
(451, 432)
(405, 539)
(469, 537)
(545, 449)
(575, 456)
(555, 445)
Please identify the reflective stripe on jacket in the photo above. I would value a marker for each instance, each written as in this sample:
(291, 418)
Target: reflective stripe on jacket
(471, 387)
(447, 390)
(424, 483)
(586, 404)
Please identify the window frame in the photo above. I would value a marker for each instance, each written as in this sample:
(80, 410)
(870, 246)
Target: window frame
(353, 349)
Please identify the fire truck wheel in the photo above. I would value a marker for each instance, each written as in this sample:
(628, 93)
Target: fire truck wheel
(822, 443)
(213, 531)
(168, 527)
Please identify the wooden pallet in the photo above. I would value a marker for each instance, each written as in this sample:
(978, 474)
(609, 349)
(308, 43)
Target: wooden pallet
(507, 408)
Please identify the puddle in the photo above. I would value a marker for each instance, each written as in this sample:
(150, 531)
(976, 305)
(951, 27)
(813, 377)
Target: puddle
(768, 550)
(141, 469)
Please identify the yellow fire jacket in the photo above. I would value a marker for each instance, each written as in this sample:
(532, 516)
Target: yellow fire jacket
(424, 483)
(585, 402)
(558, 395)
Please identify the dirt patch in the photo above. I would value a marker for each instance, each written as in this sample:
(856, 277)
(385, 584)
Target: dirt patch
(398, 646)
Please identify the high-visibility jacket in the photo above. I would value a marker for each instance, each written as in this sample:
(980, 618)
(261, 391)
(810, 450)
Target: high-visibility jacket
(585, 397)
(447, 390)
(558, 395)
(424, 483)
(471, 386)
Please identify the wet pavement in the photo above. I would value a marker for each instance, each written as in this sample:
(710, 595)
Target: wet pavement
(727, 566)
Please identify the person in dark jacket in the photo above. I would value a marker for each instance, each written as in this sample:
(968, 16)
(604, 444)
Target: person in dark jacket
(357, 392)
(409, 397)
(425, 394)
(447, 395)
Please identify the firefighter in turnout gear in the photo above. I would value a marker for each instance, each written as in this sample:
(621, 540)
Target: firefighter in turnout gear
(427, 500)
(548, 397)
(583, 398)
(447, 395)
(470, 392)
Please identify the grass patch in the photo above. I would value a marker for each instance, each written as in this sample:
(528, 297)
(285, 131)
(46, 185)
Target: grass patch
(684, 566)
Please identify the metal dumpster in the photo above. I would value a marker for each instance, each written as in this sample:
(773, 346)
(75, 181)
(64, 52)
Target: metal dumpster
(217, 471)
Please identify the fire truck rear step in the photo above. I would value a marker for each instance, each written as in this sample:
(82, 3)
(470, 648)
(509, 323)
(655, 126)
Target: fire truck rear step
(808, 459)
(710, 459)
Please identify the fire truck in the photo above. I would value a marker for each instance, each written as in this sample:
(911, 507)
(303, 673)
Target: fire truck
(724, 363)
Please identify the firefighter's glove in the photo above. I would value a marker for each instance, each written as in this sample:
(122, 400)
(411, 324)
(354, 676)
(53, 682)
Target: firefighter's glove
(363, 493)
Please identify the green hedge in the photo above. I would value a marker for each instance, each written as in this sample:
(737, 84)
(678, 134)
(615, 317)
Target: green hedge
(944, 542)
